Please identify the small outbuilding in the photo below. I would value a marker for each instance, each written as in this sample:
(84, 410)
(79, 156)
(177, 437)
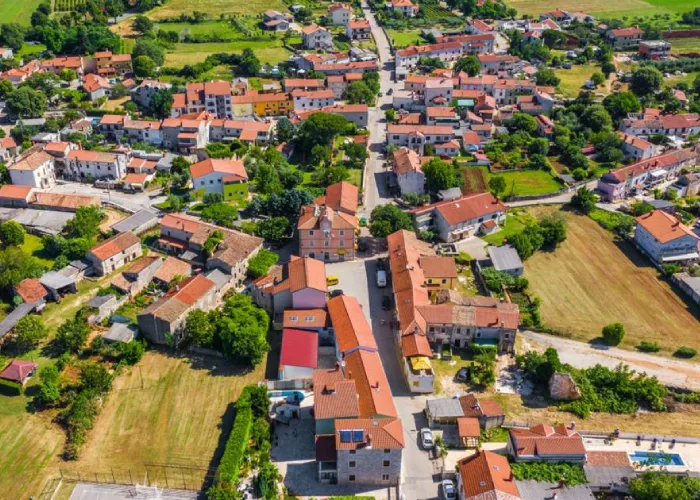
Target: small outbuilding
(299, 354)
(18, 372)
(506, 259)
(120, 332)
(58, 284)
(469, 432)
(141, 221)
(105, 305)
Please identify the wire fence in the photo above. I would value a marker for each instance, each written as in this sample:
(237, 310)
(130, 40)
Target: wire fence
(177, 477)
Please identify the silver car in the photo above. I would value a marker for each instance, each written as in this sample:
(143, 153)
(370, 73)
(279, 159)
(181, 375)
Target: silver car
(426, 439)
(449, 492)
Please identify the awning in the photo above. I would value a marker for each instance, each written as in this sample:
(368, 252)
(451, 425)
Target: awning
(684, 256)
(659, 173)
(420, 363)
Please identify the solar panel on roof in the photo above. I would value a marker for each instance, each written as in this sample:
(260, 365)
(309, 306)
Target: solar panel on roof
(346, 436)
(358, 436)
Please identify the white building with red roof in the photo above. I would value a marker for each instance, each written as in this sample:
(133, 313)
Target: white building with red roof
(408, 169)
(416, 137)
(358, 29)
(305, 100)
(213, 175)
(637, 148)
(625, 38)
(666, 239)
(8, 149)
(406, 7)
(114, 252)
(35, 168)
(340, 13)
(86, 165)
(96, 86)
(545, 443)
(298, 355)
(298, 284)
(315, 37)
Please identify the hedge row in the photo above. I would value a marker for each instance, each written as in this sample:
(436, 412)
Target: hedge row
(237, 442)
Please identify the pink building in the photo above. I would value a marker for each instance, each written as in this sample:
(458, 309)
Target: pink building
(325, 234)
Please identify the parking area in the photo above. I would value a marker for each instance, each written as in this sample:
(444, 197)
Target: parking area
(133, 201)
(89, 491)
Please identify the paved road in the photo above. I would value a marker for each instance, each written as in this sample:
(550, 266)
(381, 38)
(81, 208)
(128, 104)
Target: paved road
(670, 372)
(376, 192)
(357, 278)
(560, 199)
(133, 201)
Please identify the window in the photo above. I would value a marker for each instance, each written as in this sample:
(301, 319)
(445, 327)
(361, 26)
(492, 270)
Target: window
(311, 233)
(387, 450)
(481, 219)
(444, 281)
(506, 336)
(325, 243)
(351, 477)
(342, 232)
(387, 463)
(294, 318)
(385, 477)
(352, 464)
(352, 452)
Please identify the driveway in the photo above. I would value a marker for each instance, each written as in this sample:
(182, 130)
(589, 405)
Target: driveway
(670, 372)
(132, 201)
(474, 246)
(421, 476)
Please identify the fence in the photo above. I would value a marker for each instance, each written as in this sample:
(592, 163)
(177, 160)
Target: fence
(179, 477)
(681, 34)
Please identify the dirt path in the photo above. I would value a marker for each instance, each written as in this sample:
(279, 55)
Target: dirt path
(670, 372)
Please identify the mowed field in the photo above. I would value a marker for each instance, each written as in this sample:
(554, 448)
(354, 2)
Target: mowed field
(605, 9)
(17, 11)
(214, 8)
(684, 45)
(270, 52)
(592, 280)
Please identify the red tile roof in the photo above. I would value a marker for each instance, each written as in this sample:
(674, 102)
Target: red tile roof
(485, 475)
(208, 166)
(311, 216)
(366, 369)
(664, 226)
(304, 318)
(299, 348)
(114, 245)
(14, 192)
(334, 396)
(193, 289)
(18, 371)
(438, 267)
(607, 459)
(305, 272)
(545, 440)
(380, 433)
(468, 427)
(31, 290)
(342, 196)
(469, 207)
(406, 161)
(172, 267)
(350, 324)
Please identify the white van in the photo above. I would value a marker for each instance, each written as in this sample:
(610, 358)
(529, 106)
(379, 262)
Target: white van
(381, 278)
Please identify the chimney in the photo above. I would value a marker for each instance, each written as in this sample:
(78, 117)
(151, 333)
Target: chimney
(80, 145)
(337, 366)
(369, 441)
(376, 386)
(349, 374)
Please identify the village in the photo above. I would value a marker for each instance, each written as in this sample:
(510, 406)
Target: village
(401, 250)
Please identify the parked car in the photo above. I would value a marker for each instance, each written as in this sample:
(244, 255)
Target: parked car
(335, 293)
(449, 492)
(386, 303)
(380, 265)
(362, 246)
(332, 280)
(426, 439)
(462, 374)
(381, 278)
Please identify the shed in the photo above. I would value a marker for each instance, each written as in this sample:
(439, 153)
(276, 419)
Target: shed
(506, 259)
(19, 312)
(77, 270)
(299, 354)
(443, 411)
(105, 305)
(120, 332)
(141, 221)
(220, 279)
(58, 284)
(469, 431)
(19, 372)
(450, 194)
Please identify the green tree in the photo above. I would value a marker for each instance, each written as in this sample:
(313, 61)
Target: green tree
(285, 130)
(12, 233)
(597, 118)
(114, 8)
(359, 93)
(546, 76)
(199, 329)
(538, 146)
(149, 47)
(85, 223)
(221, 214)
(357, 154)
(267, 179)
(387, 219)
(16, 265)
(321, 128)
(161, 103)
(660, 485)
(646, 80)
(144, 67)
(12, 36)
(553, 229)
(49, 392)
(72, 335)
(439, 175)
(390, 115)
(94, 377)
(325, 176)
(29, 331)
(619, 104)
(469, 64)
(497, 185)
(584, 200)
(249, 64)
(26, 102)
(522, 122)
(242, 330)
(528, 241)
(142, 24)
(274, 229)
(613, 333)
(321, 155)
(67, 75)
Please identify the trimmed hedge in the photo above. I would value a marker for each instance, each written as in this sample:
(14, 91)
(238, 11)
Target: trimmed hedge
(236, 445)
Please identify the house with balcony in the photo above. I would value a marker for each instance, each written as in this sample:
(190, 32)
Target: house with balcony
(340, 14)
(85, 165)
(637, 148)
(406, 7)
(625, 38)
(358, 29)
(213, 97)
(306, 100)
(654, 49)
(415, 137)
(185, 135)
(34, 168)
(665, 239)
(316, 38)
(253, 104)
(326, 234)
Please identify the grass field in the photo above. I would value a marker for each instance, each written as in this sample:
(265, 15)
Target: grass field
(529, 182)
(29, 49)
(603, 9)
(222, 29)
(15, 11)
(515, 222)
(34, 246)
(592, 280)
(683, 45)
(573, 79)
(475, 180)
(214, 8)
(270, 51)
(404, 38)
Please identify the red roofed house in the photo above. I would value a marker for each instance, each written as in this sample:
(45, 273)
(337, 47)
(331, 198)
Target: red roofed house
(326, 234)
(341, 197)
(316, 37)
(114, 252)
(299, 354)
(340, 13)
(352, 331)
(15, 196)
(35, 168)
(96, 86)
(666, 239)
(408, 171)
(486, 475)
(165, 318)
(19, 372)
(406, 7)
(545, 126)
(358, 30)
(8, 149)
(299, 284)
(136, 182)
(31, 290)
(625, 38)
(546, 443)
(225, 177)
(90, 165)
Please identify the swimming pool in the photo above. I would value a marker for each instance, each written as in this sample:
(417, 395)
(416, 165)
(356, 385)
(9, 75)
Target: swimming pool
(656, 458)
(290, 396)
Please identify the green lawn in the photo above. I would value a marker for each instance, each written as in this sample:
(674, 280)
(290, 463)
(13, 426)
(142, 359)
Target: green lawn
(34, 246)
(269, 51)
(404, 38)
(573, 79)
(215, 8)
(221, 29)
(688, 79)
(17, 11)
(29, 49)
(515, 222)
(530, 182)
(681, 45)
(603, 9)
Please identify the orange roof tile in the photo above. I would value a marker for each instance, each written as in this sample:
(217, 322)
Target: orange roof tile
(334, 396)
(342, 196)
(31, 290)
(350, 324)
(366, 369)
(486, 474)
(172, 267)
(208, 166)
(114, 245)
(14, 192)
(381, 433)
(664, 226)
(305, 272)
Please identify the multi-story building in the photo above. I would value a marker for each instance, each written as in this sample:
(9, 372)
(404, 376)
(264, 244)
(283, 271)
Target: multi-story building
(212, 97)
(645, 126)
(665, 239)
(150, 132)
(544, 443)
(110, 65)
(326, 234)
(316, 38)
(406, 7)
(486, 475)
(291, 84)
(339, 83)
(408, 171)
(185, 135)
(247, 131)
(299, 284)
(225, 177)
(407, 59)
(625, 38)
(96, 86)
(8, 149)
(92, 165)
(340, 13)
(305, 100)
(654, 49)
(637, 148)
(415, 137)
(269, 104)
(627, 181)
(507, 91)
(114, 252)
(57, 64)
(492, 64)
(35, 168)
(358, 29)
(112, 126)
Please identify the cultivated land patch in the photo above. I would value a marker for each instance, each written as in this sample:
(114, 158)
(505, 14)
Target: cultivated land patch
(593, 279)
(474, 180)
(404, 38)
(268, 51)
(214, 8)
(16, 11)
(605, 9)
(684, 45)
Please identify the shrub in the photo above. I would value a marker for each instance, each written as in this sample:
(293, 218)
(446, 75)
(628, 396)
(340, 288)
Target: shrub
(613, 333)
(685, 352)
(569, 474)
(671, 269)
(463, 259)
(648, 346)
(261, 263)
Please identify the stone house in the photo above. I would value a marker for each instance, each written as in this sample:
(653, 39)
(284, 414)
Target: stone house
(114, 252)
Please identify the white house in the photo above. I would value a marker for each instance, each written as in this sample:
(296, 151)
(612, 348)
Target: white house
(406, 7)
(637, 148)
(89, 165)
(417, 136)
(114, 252)
(305, 100)
(408, 171)
(340, 14)
(665, 239)
(212, 174)
(316, 37)
(35, 169)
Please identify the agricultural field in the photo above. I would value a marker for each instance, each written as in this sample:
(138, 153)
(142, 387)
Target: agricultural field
(529, 182)
(684, 45)
(215, 8)
(220, 29)
(572, 80)
(404, 38)
(603, 9)
(475, 180)
(67, 5)
(15, 11)
(593, 279)
(268, 51)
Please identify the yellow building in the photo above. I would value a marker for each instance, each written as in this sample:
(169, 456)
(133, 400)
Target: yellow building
(440, 273)
(273, 104)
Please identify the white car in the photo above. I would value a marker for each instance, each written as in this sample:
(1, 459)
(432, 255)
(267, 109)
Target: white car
(449, 492)
(426, 439)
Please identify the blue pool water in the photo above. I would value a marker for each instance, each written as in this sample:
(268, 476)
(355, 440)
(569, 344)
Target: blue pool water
(291, 396)
(656, 458)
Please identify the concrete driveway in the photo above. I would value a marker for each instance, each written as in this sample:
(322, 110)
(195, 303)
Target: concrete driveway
(133, 201)
(421, 475)
(474, 246)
